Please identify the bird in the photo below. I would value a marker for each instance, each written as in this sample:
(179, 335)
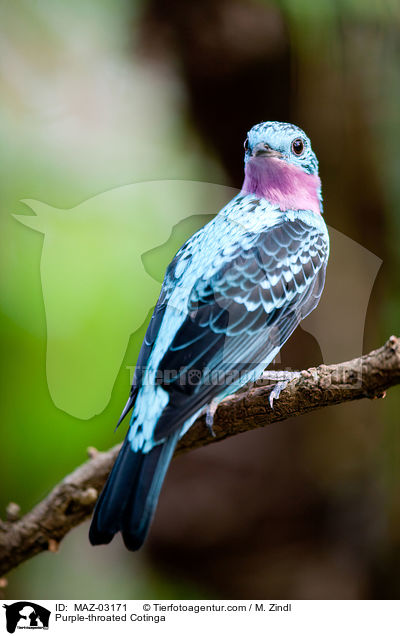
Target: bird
(230, 299)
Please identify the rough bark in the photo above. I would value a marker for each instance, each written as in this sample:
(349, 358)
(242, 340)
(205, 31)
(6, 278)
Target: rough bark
(73, 499)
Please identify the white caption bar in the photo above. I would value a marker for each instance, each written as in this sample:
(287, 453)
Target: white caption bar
(280, 618)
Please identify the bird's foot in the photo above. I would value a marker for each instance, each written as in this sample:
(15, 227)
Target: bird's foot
(280, 386)
(276, 391)
(211, 408)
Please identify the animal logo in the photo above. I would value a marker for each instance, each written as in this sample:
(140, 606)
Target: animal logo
(101, 266)
(26, 615)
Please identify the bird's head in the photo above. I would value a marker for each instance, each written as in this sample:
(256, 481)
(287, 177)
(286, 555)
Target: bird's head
(281, 166)
(286, 142)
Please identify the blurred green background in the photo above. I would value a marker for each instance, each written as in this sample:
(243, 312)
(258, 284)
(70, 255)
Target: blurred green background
(96, 95)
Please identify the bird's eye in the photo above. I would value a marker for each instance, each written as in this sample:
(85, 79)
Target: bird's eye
(246, 144)
(298, 146)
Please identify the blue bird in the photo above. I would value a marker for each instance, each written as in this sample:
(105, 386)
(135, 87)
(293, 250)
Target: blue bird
(230, 299)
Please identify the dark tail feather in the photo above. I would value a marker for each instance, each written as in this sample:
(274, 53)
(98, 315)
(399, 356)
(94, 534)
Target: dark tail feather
(143, 500)
(111, 503)
(130, 496)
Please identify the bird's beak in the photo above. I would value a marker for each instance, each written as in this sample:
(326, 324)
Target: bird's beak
(263, 150)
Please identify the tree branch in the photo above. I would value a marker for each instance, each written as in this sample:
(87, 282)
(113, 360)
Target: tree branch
(73, 499)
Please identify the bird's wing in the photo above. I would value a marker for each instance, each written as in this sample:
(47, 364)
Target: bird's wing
(174, 272)
(241, 315)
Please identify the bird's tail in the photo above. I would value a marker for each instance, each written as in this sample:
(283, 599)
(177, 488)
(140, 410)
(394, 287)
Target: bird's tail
(129, 497)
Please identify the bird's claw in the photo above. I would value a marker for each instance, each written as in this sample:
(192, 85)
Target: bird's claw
(276, 391)
(210, 417)
(283, 378)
